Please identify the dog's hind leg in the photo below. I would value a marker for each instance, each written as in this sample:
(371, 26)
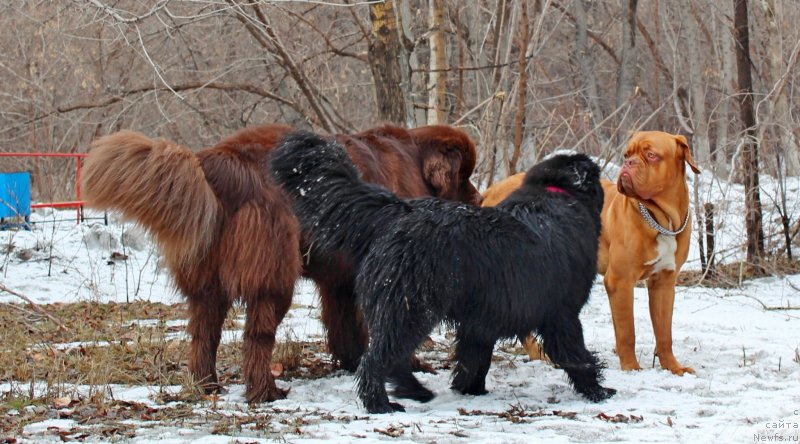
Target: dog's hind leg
(347, 331)
(207, 311)
(371, 376)
(394, 335)
(563, 343)
(406, 384)
(473, 357)
(264, 313)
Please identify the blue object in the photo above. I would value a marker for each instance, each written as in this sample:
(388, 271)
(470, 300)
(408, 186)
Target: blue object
(15, 195)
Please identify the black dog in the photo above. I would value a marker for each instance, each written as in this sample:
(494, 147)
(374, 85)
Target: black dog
(525, 265)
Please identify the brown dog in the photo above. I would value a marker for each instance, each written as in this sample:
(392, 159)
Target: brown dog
(644, 237)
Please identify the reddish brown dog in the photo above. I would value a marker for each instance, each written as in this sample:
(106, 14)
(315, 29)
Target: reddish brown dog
(633, 248)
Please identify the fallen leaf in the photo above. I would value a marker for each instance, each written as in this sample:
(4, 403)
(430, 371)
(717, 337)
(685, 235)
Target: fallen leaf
(117, 256)
(24, 255)
(392, 431)
(568, 415)
(619, 418)
(62, 402)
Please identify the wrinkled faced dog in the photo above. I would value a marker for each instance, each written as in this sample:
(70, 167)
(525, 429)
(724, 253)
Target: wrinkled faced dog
(526, 265)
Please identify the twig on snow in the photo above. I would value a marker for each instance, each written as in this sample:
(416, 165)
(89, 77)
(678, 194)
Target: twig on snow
(34, 306)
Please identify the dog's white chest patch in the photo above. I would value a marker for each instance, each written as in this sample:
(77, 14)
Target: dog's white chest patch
(665, 254)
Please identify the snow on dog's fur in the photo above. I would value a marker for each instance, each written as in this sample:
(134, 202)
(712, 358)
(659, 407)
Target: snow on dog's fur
(526, 265)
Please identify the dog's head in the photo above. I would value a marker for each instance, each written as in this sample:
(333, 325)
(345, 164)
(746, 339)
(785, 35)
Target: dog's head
(654, 162)
(573, 174)
(448, 159)
(303, 157)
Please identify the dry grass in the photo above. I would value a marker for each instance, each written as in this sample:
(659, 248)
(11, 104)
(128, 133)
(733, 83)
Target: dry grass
(137, 344)
(144, 344)
(733, 274)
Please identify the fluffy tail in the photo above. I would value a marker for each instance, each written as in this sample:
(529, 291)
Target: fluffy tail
(158, 184)
(338, 212)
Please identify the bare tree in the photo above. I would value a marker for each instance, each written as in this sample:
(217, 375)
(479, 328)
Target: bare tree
(626, 75)
(727, 76)
(750, 170)
(779, 122)
(388, 59)
(438, 73)
(260, 27)
(585, 58)
(587, 74)
(697, 85)
(500, 58)
(522, 87)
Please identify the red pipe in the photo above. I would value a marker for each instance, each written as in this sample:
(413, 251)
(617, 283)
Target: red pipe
(78, 187)
(43, 155)
(73, 203)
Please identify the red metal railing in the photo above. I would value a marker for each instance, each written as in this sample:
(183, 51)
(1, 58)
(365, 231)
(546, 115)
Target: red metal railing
(78, 203)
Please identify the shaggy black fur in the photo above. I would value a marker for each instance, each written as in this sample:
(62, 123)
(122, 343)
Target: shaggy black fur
(526, 265)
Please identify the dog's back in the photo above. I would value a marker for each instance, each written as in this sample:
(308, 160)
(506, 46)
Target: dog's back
(475, 259)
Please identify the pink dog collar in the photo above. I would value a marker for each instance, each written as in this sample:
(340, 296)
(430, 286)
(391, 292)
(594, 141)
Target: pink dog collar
(555, 189)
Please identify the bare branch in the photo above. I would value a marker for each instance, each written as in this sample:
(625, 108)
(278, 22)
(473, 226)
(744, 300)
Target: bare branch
(135, 19)
(245, 87)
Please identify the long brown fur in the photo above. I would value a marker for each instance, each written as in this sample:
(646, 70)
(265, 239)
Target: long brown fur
(227, 231)
(173, 199)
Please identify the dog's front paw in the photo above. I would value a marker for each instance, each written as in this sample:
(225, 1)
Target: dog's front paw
(630, 366)
(679, 370)
(267, 394)
(420, 393)
(672, 364)
(387, 407)
(476, 388)
(598, 393)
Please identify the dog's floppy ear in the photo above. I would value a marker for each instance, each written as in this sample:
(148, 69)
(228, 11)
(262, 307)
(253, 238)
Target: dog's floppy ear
(448, 159)
(440, 167)
(687, 154)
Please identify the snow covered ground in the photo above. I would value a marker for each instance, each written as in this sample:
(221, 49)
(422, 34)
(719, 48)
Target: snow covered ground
(743, 342)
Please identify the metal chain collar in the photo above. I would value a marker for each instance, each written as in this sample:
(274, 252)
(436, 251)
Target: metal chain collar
(652, 222)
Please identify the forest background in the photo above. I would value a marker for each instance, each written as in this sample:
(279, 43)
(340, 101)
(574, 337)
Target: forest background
(524, 78)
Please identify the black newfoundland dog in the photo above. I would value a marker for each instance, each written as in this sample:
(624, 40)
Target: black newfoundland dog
(525, 265)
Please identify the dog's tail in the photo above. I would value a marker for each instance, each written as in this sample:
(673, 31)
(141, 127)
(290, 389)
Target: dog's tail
(157, 184)
(338, 212)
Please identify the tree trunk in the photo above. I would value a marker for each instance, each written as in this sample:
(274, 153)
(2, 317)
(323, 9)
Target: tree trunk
(627, 66)
(438, 72)
(780, 122)
(700, 140)
(656, 74)
(586, 62)
(750, 169)
(726, 85)
(389, 61)
(519, 119)
(495, 110)
(462, 37)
